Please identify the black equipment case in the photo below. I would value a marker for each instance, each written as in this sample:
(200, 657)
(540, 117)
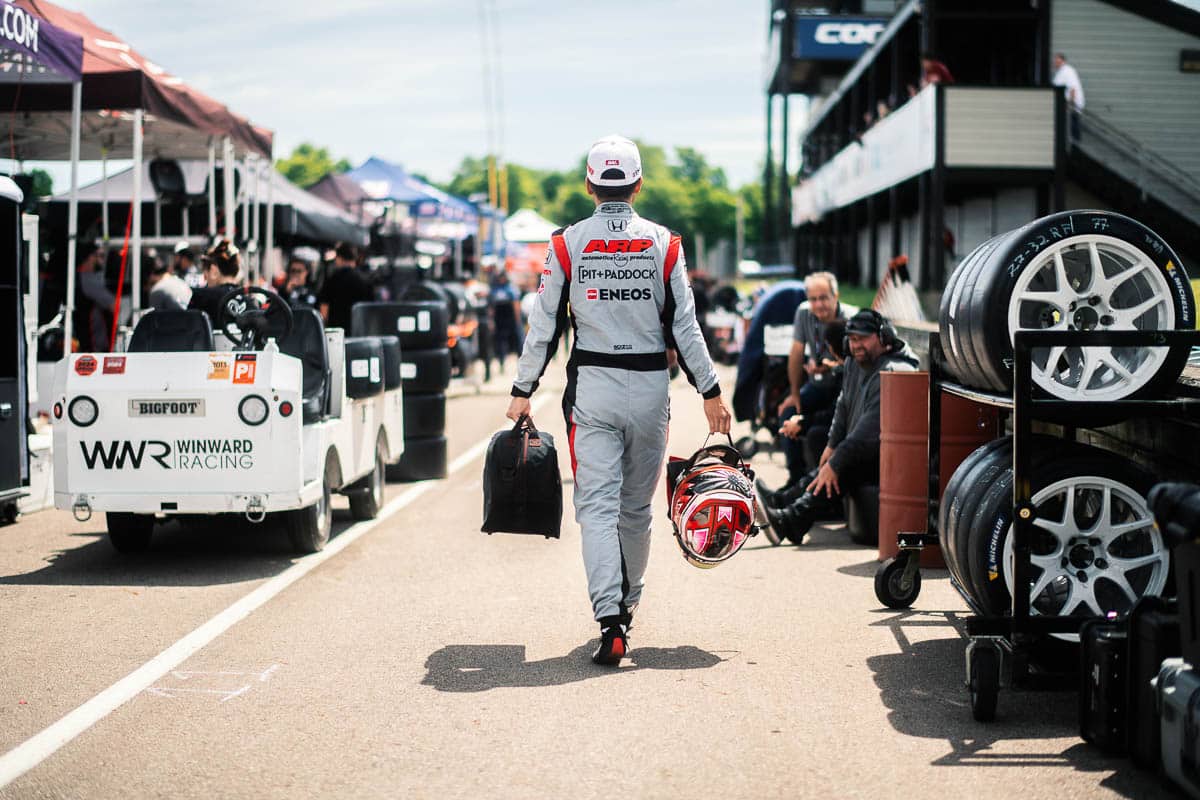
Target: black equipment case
(1103, 669)
(1153, 638)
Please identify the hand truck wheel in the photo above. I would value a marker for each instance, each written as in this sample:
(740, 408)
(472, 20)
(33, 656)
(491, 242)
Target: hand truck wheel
(893, 587)
(983, 680)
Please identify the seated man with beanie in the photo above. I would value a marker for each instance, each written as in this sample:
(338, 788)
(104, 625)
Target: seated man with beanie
(851, 458)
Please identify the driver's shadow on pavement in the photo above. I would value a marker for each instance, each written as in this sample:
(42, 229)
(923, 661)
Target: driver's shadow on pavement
(480, 667)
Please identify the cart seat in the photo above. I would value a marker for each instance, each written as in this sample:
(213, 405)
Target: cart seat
(307, 343)
(172, 332)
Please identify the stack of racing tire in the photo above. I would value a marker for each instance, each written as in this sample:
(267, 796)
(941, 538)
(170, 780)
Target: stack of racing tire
(421, 326)
(1095, 549)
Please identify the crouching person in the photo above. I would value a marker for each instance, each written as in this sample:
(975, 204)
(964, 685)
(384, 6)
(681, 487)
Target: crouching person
(851, 458)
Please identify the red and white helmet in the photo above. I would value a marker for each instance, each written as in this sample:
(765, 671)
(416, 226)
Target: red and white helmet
(712, 504)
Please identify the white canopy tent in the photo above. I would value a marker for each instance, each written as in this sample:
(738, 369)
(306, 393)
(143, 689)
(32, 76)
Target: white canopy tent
(527, 225)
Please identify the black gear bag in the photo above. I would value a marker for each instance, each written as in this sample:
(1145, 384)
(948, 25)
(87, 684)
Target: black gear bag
(522, 487)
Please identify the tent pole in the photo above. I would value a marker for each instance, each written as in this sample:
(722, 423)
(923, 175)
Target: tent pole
(136, 282)
(227, 174)
(249, 199)
(104, 195)
(73, 214)
(255, 223)
(212, 189)
(269, 244)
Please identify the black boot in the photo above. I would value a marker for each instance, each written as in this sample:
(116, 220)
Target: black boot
(779, 524)
(794, 521)
(785, 495)
(766, 495)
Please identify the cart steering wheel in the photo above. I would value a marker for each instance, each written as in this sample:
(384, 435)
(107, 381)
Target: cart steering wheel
(250, 316)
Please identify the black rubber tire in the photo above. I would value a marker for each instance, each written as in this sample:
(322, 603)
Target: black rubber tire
(975, 293)
(309, 528)
(456, 300)
(983, 682)
(424, 415)
(946, 323)
(980, 310)
(366, 499)
(426, 371)
(994, 513)
(953, 499)
(887, 585)
(956, 320)
(991, 470)
(392, 360)
(423, 459)
(129, 533)
(865, 530)
(433, 291)
(420, 324)
(996, 493)
(364, 366)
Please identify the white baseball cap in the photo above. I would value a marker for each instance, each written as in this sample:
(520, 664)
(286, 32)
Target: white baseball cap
(614, 161)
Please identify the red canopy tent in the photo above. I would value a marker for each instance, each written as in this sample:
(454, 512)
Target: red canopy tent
(130, 105)
(117, 78)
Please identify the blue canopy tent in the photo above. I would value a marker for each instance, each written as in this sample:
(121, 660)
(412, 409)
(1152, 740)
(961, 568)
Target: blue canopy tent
(437, 214)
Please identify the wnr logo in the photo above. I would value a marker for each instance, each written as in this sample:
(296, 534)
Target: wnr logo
(118, 454)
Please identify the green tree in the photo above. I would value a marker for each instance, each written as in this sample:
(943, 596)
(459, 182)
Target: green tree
(308, 164)
(752, 211)
(682, 190)
(43, 183)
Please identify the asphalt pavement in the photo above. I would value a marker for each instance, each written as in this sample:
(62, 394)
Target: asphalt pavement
(426, 659)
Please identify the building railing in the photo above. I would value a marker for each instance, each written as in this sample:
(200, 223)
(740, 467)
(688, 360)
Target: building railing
(1142, 167)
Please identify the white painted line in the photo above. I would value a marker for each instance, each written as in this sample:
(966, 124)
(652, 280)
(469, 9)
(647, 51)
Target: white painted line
(35, 750)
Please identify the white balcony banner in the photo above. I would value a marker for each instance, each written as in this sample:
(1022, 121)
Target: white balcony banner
(898, 147)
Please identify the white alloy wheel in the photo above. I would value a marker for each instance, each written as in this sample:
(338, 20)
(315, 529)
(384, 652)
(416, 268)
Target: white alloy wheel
(1095, 549)
(1093, 282)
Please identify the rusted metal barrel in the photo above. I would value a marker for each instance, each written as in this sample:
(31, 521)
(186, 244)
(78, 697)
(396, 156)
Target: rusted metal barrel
(904, 453)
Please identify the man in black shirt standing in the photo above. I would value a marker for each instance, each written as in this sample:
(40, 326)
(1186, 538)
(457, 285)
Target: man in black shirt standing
(344, 286)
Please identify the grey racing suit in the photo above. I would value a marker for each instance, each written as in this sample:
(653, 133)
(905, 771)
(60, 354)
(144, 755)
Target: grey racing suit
(621, 282)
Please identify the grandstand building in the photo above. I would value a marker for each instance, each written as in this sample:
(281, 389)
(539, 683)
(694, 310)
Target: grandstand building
(889, 166)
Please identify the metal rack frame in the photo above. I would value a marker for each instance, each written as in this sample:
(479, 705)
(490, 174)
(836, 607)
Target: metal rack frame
(994, 640)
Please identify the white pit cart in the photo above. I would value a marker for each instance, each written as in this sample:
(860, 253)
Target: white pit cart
(181, 425)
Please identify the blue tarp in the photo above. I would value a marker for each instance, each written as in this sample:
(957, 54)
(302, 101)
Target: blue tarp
(777, 307)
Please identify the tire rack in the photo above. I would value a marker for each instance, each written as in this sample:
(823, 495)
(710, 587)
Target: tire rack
(997, 640)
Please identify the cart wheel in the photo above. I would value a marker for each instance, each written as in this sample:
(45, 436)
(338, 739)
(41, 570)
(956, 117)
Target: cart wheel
(984, 682)
(308, 528)
(129, 533)
(8, 514)
(889, 584)
(366, 501)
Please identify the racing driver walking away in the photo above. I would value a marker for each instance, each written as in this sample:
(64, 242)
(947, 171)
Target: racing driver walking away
(621, 283)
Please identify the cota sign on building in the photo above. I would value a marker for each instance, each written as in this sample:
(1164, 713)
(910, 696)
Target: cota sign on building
(825, 38)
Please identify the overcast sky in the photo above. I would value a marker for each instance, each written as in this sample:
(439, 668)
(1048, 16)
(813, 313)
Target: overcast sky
(403, 79)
